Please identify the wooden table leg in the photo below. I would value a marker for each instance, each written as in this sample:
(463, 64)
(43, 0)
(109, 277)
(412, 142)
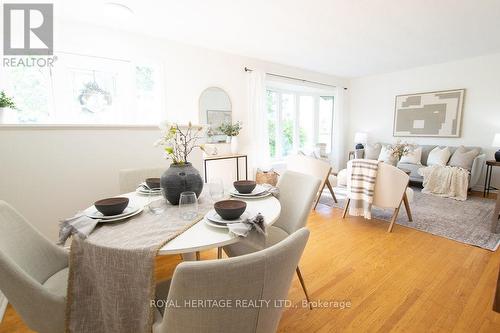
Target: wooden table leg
(219, 253)
(407, 207)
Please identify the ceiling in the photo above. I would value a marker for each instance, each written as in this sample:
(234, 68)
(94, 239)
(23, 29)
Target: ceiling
(348, 38)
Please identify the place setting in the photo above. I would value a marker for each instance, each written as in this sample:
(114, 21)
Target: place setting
(249, 189)
(151, 186)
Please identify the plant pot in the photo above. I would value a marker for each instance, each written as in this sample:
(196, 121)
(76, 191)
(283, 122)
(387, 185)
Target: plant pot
(234, 145)
(180, 178)
(2, 114)
(228, 139)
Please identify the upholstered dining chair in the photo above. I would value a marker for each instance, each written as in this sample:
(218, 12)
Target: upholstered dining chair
(314, 167)
(257, 277)
(33, 273)
(130, 179)
(389, 191)
(296, 194)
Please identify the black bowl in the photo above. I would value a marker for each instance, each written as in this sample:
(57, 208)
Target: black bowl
(230, 209)
(153, 183)
(111, 206)
(244, 186)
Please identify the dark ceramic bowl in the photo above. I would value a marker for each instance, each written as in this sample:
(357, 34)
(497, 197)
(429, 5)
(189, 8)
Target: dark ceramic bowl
(230, 209)
(153, 183)
(244, 186)
(111, 206)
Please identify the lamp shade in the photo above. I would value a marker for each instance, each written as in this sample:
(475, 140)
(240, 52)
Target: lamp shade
(360, 137)
(496, 141)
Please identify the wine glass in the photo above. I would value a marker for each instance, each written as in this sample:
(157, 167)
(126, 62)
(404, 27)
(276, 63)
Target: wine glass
(216, 189)
(188, 206)
(157, 202)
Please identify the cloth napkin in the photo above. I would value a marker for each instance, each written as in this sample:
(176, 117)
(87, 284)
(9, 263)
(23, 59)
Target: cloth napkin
(275, 192)
(252, 229)
(80, 225)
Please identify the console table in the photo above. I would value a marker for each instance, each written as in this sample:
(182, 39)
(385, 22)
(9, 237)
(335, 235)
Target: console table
(487, 180)
(236, 157)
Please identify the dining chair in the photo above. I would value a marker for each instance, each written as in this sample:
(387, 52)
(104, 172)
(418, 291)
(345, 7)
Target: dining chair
(257, 277)
(296, 194)
(130, 179)
(314, 167)
(33, 273)
(389, 192)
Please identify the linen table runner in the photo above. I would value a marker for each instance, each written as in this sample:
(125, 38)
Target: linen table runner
(111, 273)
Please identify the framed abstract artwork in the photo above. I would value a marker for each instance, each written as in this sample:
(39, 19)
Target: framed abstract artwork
(433, 114)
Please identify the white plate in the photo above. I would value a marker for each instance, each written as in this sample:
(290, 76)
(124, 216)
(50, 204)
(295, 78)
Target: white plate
(92, 212)
(123, 217)
(142, 190)
(258, 190)
(214, 217)
(263, 195)
(215, 225)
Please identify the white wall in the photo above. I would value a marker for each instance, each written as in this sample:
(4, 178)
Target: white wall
(372, 101)
(49, 174)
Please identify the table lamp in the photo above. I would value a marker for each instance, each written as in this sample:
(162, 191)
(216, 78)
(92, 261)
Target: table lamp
(496, 144)
(360, 140)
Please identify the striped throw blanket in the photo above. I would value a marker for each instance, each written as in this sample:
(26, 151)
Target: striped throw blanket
(361, 175)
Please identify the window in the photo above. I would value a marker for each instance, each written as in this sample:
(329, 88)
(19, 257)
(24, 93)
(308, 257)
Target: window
(298, 121)
(86, 90)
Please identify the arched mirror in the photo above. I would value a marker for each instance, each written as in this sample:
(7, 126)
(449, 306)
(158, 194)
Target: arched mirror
(215, 109)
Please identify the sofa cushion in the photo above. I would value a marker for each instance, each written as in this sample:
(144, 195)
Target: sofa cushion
(439, 156)
(463, 158)
(386, 156)
(413, 157)
(372, 151)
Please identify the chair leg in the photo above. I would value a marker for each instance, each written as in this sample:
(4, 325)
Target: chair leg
(393, 219)
(197, 255)
(347, 201)
(331, 190)
(219, 253)
(299, 275)
(407, 207)
(319, 197)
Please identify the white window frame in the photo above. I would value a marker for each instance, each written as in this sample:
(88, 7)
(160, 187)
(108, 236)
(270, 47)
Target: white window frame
(57, 102)
(316, 95)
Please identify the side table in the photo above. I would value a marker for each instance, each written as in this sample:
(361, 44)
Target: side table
(487, 180)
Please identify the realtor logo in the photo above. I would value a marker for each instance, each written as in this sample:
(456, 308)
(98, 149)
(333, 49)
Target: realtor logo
(28, 29)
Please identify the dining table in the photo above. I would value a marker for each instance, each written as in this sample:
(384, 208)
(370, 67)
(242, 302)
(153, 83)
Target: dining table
(201, 236)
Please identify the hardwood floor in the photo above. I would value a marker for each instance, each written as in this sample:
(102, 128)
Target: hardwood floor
(405, 281)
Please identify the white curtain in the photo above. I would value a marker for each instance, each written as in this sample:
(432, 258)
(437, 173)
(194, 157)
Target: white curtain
(259, 136)
(338, 158)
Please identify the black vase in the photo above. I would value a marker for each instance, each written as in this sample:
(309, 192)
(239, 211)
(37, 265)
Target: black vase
(497, 156)
(180, 178)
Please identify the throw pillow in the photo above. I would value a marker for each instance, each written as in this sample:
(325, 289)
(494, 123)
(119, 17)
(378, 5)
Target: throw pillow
(439, 156)
(372, 151)
(413, 157)
(386, 156)
(463, 158)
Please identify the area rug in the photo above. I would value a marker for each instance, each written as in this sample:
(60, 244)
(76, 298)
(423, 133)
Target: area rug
(467, 221)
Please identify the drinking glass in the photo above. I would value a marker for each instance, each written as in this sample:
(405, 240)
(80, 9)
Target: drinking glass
(157, 202)
(188, 205)
(216, 189)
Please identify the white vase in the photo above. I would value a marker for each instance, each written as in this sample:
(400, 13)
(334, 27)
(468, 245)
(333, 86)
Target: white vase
(228, 139)
(2, 114)
(234, 145)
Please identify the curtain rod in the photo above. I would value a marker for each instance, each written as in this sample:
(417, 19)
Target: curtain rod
(296, 79)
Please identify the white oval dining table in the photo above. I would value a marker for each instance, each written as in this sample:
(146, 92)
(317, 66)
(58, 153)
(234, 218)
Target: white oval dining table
(201, 236)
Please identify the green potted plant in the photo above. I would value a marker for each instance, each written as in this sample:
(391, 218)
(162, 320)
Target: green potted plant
(231, 131)
(178, 142)
(6, 102)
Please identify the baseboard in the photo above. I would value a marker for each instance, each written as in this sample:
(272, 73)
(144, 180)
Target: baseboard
(3, 305)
